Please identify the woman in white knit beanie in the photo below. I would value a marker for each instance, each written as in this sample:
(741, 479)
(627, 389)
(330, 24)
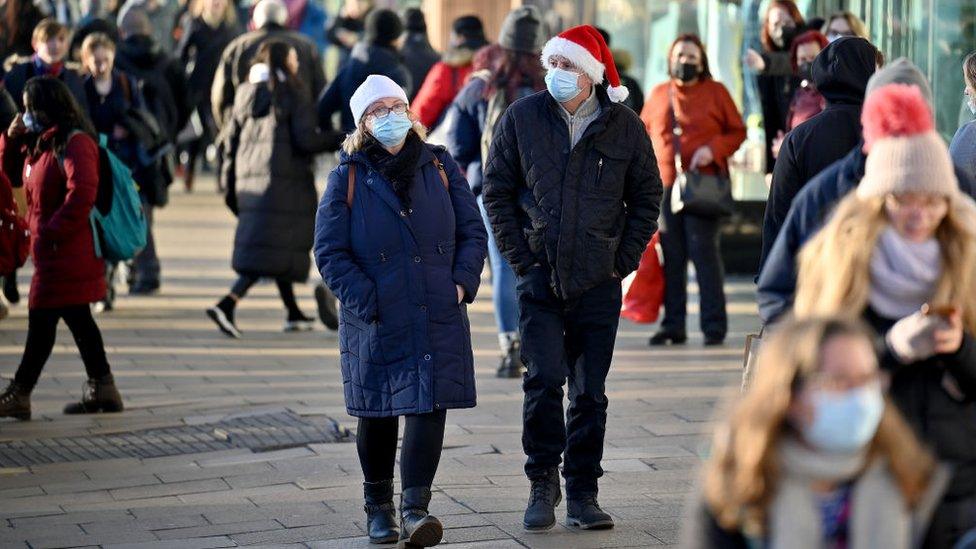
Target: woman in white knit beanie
(900, 251)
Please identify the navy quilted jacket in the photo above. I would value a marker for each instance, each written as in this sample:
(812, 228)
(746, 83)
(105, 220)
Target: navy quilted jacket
(588, 212)
(405, 342)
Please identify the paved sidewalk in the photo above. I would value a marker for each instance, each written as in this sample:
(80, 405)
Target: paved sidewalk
(179, 375)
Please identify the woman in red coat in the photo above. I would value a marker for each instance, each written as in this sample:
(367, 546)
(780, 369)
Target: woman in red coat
(50, 150)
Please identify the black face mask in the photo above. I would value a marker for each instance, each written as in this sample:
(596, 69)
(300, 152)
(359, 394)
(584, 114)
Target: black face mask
(784, 38)
(686, 72)
(805, 71)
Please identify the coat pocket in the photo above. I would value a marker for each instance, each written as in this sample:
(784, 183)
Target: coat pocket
(602, 251)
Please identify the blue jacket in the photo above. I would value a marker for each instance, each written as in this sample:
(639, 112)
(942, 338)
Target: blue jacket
(963, 152)
(465, 119)
(364, 61)
(810, 208)
(405, 342)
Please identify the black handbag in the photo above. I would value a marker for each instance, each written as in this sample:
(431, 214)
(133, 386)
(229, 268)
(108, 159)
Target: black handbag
(695, 193)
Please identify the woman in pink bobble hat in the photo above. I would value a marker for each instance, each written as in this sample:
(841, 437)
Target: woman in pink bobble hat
(900, 251)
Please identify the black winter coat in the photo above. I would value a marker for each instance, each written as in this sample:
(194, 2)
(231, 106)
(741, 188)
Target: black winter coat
(364, 61)
(945, 421)
(18, 75)
(588, 212)
(269, 150)
(238, 56)
(161, 81)
(418, 56)
(200, 47)
(841, 74)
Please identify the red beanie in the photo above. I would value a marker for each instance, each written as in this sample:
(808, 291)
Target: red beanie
(584, 47)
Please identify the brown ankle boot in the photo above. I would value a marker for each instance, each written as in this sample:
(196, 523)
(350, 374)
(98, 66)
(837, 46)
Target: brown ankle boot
(100, 395)
(15, 402)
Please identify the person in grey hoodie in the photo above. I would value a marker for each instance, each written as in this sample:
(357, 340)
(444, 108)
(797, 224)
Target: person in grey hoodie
(963, 146)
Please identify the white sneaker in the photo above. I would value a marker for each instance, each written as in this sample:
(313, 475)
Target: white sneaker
(225, 324)
(302, 325)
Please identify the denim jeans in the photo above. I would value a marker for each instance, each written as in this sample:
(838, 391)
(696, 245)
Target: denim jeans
(146, 263)
(502, 282)
(566, 340)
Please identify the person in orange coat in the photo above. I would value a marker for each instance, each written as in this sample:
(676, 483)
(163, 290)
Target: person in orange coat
(711, 130)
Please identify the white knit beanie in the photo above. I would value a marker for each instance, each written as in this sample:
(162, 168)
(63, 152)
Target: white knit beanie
(375, 87)
(905, 154)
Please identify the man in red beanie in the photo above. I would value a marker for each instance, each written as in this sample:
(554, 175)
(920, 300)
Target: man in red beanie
(573, 193)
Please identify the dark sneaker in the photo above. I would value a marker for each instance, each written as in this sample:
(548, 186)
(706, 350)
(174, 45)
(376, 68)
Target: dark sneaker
(225, 321)
(586, 514)
(298, 323)
(144, 288)
(15, 402)
(664, 337)
(99, 395)
(511, 366)
(326, 303)
(545, 495)
(714, 340)
(10, 290)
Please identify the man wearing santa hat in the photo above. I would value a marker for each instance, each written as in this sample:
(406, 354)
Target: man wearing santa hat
(573, 194)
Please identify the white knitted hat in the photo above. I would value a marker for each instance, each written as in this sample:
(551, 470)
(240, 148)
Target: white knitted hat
(905, 154)
(375, 87)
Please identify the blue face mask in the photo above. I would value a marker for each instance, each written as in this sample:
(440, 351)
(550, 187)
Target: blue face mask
(971, 103)
(31, 123)
(562, 85)
(844, 422)
(392, 129)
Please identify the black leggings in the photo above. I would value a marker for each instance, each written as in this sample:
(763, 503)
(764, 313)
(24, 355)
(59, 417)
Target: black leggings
(285, 290)
(42, 328)
(423, 439)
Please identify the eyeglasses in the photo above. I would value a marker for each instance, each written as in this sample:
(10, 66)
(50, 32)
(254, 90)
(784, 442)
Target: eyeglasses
(381, 112)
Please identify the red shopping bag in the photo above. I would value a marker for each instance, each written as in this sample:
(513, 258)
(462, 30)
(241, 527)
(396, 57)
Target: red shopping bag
(644, 289)
(14, 233)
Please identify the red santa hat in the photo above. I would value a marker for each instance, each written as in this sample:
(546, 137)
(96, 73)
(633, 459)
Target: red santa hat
(584, 47)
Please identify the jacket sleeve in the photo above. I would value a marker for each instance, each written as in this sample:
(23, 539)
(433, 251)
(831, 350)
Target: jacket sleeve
(464, 129)
(726, 143)
(777, 279)
(329, 103)
(12, 160)
(333, 250)
(503, 183)
(786, 183)
(306, 135)
(227, 153)
(222, 89)
(963, 152)
(434, 94)
(471, 239)
(962, 366)
(81, 175)
(642, 198)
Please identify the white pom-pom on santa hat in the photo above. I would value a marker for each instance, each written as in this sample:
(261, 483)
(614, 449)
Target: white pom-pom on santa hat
(584, 47)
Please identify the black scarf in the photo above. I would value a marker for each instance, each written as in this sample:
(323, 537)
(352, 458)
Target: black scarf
(399, 169)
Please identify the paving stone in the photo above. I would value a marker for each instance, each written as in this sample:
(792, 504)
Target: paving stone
(196, 543)
(219, 529)
(310, 533)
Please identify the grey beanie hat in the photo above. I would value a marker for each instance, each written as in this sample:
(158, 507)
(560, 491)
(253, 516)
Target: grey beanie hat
(900, 71)
(522, 30)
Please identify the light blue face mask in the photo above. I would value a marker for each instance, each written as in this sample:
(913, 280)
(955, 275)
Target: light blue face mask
(844, 422)
(971, 103)
(31, 123)
(392, 129)
(562, 84)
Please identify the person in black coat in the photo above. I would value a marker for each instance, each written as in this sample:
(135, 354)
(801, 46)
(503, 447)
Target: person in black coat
(573, 193)
(50, 42)
(268, 150)
(345, 30)
(208, 29)
(18, 21)
(841, 74)
(376, 54)
(418, 55)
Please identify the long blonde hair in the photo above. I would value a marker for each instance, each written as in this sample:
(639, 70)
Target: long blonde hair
(742, 475)
(834, 266)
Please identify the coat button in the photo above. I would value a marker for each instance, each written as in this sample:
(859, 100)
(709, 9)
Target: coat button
(427, 357)
(416, 259)
(403, 213)
(423, 308)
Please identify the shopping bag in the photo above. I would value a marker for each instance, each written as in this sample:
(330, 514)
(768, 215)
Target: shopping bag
(753, 341)
(644, 289)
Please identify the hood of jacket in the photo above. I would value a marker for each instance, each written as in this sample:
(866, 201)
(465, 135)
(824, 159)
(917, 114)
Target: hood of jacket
(142, 51)
(254, 100)
(377, 58)
(458, 57)
(842, 70)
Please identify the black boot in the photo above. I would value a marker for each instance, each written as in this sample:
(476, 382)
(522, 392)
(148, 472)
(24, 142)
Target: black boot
(10, 290)
(15, 402)
(664, 337)
(585, 514)
(100, 395)
(222, 315)
(543, 499)
(417, 527)
(511, 366)
(381, 525)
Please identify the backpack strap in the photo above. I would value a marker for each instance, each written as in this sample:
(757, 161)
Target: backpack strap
(351, 187)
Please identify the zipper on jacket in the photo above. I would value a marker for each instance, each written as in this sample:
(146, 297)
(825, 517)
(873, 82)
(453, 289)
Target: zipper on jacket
(383, 257)
(440, 249)
(599, 169)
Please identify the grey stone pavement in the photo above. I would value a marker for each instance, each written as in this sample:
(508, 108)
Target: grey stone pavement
(175, 370)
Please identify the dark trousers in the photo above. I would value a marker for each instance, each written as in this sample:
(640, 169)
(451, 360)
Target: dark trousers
(566, 340)
(423, 439)
(285, 290)
(42, 328)
(685, 237)
(145, 264)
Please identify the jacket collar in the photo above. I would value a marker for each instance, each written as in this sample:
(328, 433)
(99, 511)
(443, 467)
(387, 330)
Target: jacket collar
(597, 125)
